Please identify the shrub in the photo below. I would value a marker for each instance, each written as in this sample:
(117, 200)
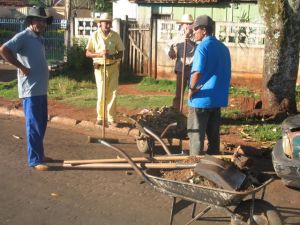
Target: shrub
(77, 62)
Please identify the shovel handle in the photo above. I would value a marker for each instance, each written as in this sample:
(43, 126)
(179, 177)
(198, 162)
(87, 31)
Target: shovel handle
(104, 98)
(129, 166)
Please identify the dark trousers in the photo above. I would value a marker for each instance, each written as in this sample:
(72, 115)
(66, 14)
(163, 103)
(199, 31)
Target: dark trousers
(203, 122)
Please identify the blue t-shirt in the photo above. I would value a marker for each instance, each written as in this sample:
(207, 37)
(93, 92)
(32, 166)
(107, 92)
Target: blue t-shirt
(212, 60)
(30, 51)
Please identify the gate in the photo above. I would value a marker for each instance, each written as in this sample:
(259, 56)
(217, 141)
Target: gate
(137, 56)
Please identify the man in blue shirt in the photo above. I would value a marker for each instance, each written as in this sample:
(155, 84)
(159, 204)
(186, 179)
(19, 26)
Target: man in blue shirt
(208, 89)
(26, 51)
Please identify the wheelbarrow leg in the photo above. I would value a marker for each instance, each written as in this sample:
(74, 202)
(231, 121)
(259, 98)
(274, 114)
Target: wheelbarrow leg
(199, 214)
(172, 210)
(252, 209)
(194, 210)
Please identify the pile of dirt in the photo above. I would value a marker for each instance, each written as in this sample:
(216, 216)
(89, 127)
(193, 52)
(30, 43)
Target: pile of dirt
(253, 178)
(159, 121)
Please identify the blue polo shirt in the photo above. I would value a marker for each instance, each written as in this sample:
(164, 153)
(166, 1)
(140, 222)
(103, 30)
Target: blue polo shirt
(30, 51)
(212, 60)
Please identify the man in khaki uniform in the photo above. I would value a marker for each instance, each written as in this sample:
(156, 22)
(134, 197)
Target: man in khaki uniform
(176, 52)
(105, 46)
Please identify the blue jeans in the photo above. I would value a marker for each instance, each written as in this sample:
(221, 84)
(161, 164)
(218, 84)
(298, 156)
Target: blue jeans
(36, 118)
(203, 121)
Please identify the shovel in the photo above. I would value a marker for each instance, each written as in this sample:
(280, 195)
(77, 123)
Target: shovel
(222, 173)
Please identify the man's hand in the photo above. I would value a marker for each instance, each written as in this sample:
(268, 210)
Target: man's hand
(24, 71)
(172, 54)
(193, 91)
(103, 53)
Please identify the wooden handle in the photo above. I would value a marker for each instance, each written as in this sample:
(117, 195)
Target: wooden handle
(139, 159)
(128, 166)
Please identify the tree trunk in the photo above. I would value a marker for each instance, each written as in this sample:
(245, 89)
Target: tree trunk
(281, 59)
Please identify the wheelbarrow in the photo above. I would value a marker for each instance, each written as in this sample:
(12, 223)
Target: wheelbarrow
(164, 123)
(250, 211)
(146, 137)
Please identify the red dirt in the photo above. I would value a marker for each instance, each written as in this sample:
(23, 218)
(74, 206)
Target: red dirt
(89, 114)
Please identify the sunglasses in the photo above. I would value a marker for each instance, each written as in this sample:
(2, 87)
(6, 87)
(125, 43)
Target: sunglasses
(40, 20)
(199, 27)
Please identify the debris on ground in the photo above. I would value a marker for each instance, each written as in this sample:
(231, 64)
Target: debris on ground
(157, 120)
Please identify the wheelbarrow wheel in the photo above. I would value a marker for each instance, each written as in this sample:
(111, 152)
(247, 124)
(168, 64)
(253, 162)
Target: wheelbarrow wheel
(145, 145)
(264, 213)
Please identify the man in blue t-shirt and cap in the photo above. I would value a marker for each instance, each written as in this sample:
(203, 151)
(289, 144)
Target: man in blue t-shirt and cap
(208, 88)
(26, 51)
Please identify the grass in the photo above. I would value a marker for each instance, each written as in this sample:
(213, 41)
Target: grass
(9, 90)
(242, 91)
(144, 101)
(83, 94)
(150, 84)
(264, 132)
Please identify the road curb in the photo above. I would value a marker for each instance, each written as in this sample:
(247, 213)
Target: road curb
(69, 122)
(4, 110)
(63, 120)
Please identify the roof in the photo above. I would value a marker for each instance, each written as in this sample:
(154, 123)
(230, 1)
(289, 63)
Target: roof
(173, 1)
(14, 2)
(188, 1)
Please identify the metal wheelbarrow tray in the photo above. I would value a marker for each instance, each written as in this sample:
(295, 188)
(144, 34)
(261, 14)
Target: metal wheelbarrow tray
(252, 210)
(198, 193)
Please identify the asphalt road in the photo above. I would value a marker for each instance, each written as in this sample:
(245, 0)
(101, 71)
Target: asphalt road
(93, 197)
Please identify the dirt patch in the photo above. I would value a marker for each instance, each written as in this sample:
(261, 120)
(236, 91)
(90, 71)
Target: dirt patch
(232, 138)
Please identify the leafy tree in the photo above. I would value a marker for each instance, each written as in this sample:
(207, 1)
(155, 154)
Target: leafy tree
(44, 3)
(281, 60)
(103, 5)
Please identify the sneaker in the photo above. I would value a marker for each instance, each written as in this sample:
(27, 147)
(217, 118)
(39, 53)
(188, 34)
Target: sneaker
(41, 167)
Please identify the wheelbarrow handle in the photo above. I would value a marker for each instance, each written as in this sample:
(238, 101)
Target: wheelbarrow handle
(167, 128)
(148, 131)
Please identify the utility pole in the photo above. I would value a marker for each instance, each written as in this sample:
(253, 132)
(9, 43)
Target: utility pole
(68, 17)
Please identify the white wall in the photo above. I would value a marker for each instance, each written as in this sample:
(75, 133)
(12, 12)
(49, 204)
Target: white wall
(121, 8)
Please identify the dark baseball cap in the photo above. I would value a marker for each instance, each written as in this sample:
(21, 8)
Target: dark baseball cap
(204, 21)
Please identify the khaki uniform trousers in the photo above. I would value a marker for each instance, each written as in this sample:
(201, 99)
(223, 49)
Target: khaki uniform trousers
(112, 82)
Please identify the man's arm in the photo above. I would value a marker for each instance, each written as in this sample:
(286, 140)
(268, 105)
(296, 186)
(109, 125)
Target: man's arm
(100, 54)
(193, 88)
(8, 55)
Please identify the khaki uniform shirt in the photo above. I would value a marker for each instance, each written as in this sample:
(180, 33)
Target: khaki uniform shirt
(177, 44)
(98, 42)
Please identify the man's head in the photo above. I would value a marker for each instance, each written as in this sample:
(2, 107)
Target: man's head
(38, 18)
(185, 23)
(105, 21)
(203, 26)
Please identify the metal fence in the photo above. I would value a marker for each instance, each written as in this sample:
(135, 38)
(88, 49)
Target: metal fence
(54, 36)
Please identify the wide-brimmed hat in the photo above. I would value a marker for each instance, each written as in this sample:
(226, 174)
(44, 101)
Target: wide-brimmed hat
(104, 17)
(204, 21)
(186, 18)
(39, 12)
